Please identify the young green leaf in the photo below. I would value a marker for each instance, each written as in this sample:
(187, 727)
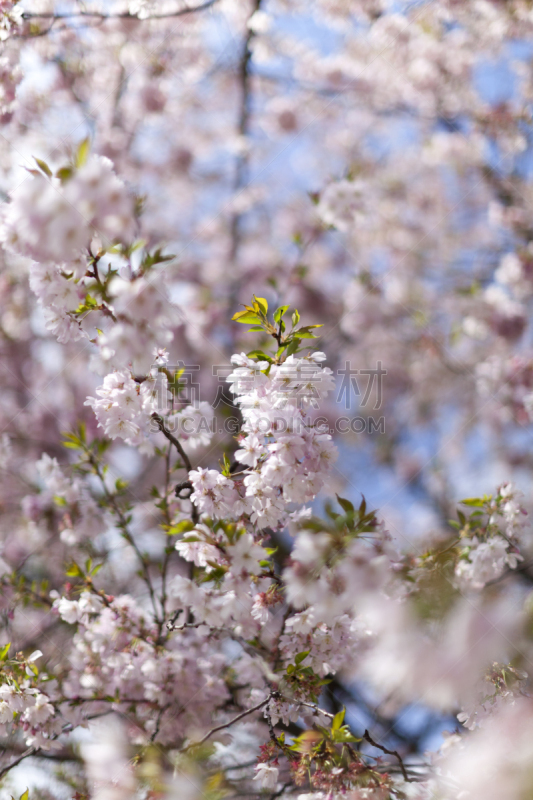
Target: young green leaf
(262, 303)
(64, 173)
(184, 526)
(338, 719)
(301, 656)
(346, 506)
(43, 166)
(260, 354)
(82, 153)
(246, 317)
(280, 312)
(304, 335)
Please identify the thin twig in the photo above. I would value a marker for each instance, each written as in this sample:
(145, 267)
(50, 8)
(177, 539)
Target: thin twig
(395, 753)
(168, 549)
(121, 15)
(154, 735)
(29, 752)
(161, 424)
(229, 724)
(195, 516)
(33, 751)
(241, 166)
(308, 705)
(123, 525)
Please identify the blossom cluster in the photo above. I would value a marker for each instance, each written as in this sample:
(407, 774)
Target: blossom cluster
(24, 705)
(115, 653)
(487, 551)
(286, 458)
(53, 219)
(10, 18)
(209, 629)
(125, 407)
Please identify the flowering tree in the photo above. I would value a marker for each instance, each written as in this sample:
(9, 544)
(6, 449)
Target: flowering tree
(199, 598)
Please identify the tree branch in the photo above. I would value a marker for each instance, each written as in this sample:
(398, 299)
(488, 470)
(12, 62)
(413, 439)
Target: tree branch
(395, 753)
(121, 15)
(123, 525)
(241, 166)
(229, 724)
(184, 457)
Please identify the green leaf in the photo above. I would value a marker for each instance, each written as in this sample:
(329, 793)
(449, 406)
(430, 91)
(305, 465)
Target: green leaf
(184, 526)
(305, 332)
(280, 312)
(260, 355)
(301, 656)
(472, 501)
(25, 795)
(293, 347)
(4, 651)
(295, 318)
(74, 571)
(43, 166)
(64, 174)
(82, 153)
(346, 506)
(304, 335)
(338, 719)
(157, 257)
(344, 735)
(246, 318)
(262, 303)
(226, 466)
(71, 445)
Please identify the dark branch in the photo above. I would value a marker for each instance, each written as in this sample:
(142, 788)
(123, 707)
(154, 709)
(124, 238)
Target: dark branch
(184, 457)
(231, 722)
(395, 753)
(241, 168)
(122, 15)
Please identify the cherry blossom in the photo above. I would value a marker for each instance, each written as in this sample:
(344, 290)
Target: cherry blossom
(231, 562)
